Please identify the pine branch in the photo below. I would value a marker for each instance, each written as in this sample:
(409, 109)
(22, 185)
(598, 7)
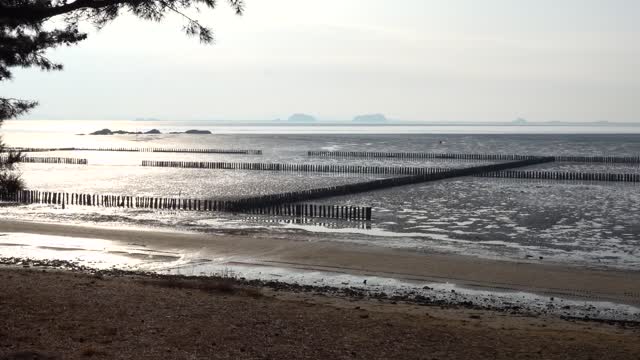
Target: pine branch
(11, 108)
(35, 13)
(23, 41)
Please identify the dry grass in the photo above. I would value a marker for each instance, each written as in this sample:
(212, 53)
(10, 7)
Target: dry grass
(251, 292)
(208, 285)
(91, 351)
(225, 281)
(28, 355)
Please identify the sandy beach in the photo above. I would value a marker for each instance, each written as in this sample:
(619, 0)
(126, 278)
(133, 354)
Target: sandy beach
(57, 314)
(540, 278)
(61, 315)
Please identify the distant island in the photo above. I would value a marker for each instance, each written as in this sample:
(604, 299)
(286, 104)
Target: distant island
(519, 121)
(150, 132)
(371, 119)
(194, 132)
(301, 118)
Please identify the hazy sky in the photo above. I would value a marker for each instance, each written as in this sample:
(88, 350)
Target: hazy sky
(433, 60)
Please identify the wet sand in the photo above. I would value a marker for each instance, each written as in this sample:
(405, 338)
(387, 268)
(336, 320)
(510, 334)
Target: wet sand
(63, 315)
(547, 279)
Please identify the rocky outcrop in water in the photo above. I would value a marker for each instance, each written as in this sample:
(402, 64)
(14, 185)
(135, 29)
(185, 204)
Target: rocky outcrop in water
(150, 132)
(198, 132)
(122, 132)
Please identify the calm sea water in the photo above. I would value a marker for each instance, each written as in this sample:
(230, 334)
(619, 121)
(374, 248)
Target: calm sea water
(593, 224)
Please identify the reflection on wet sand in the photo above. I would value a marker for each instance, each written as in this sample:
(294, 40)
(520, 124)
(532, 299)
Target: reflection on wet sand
(444, 277)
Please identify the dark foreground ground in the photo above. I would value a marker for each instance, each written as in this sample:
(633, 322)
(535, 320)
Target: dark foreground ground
(63, 315)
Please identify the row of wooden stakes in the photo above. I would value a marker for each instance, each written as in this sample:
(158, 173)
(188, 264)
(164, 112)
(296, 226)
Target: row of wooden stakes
(362, 154)
(351, 213)
(403, 155)
(54, 160)
(560, 175)
(386, 170)
(285, 204)
(378, 184)
(454, 156)
(359, 169)
(159, 150)
(327, 168)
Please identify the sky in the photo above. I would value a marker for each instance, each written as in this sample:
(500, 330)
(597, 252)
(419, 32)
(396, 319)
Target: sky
(412, 60)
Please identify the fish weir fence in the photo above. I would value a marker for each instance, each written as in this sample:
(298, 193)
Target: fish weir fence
(494, 157)
(402, 155)
(382, 170)
(27, 149)
(203, 151)
(326, 223)
(157, 150)
(599, 159)
(286, 204)
(562, 175)
(350, 189)
(351, 213)
(51, 160)
(327, 168)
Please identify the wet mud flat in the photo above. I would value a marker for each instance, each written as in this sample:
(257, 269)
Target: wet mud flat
(587, 223)
(85, 313)
(573, 222)
(178, 183)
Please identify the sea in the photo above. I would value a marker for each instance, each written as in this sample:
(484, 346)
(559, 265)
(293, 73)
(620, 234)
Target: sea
(594, 224)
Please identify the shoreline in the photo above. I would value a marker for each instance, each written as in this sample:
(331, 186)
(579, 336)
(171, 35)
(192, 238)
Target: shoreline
(570, 282)
(314, 293)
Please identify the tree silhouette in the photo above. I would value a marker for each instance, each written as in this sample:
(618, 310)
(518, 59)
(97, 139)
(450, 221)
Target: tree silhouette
(24, 41)
(10, 182)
